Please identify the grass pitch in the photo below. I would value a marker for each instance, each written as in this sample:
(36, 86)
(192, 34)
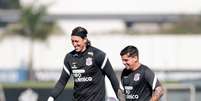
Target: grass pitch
(33, 84)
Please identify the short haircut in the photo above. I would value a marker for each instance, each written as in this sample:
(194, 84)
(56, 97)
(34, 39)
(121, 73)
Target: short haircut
(130, 50)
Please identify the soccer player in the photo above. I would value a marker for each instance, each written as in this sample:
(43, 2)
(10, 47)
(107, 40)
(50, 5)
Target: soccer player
(139, 81)
(88, 66)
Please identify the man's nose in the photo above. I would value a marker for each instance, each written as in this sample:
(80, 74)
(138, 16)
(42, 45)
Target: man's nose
(74, 43)
(124, 62)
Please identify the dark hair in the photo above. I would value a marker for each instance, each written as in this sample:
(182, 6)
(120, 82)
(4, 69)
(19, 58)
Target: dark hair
(130, 50)
(81, 32)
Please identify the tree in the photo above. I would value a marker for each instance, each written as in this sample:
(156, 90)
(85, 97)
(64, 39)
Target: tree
(9, 4)
(33, 26)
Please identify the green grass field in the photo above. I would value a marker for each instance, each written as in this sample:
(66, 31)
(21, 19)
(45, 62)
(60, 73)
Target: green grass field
(40, 84)
(33, 84)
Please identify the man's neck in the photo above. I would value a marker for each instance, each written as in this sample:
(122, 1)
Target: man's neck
(83, 50)
(136, 66)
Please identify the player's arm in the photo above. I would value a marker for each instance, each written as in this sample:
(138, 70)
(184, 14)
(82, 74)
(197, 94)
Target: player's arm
(61, 83)
(157, 93)
(103, 61)
(114, 81)
(157, 87)
(121, 94)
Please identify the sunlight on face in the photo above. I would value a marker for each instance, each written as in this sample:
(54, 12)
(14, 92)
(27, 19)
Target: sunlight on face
(129, 61)
(78, 43)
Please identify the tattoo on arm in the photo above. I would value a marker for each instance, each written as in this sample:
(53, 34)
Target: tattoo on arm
(159, 91)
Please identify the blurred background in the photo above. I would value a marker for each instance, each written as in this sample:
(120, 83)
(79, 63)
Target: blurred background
(35, 37)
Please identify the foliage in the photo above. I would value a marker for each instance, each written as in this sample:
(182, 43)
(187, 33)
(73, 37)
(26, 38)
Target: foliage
(187, 24)
(32, 24)
(34, 84)
(9, 4)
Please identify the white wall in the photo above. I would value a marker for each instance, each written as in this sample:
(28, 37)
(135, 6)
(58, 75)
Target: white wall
(120, 6)
(158, 52)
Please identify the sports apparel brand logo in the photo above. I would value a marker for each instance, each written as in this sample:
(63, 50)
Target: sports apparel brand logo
(74, 67)
(136, 77)
(89, 61)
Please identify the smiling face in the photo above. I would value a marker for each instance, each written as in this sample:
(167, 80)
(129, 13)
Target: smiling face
(130, 62)
(78, 43)
(129, 56)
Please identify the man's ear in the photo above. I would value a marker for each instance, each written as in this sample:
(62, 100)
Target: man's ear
(136, 58)
(85, 40)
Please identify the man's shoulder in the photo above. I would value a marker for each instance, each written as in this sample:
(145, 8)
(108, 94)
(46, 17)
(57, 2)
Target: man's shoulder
(70, 54)
(96, 50)
(126, 72)
(144, 67)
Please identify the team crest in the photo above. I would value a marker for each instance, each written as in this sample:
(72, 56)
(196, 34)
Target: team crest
(136, 77)
(89, 61)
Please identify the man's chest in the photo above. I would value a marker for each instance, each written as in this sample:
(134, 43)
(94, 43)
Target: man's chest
(133, 78)
(84, 69)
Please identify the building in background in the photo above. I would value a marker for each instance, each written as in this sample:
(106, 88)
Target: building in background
(162, 52)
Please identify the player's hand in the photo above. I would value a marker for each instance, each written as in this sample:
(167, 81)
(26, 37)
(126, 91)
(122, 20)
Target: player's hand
(50, 99)
(121, 95)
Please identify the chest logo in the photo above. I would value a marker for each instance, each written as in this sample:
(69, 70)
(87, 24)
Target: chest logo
(89, 61)
(74, 65)
(136, 77)
(91, 53)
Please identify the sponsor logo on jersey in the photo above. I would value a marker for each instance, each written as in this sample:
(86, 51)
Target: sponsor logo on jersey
(136, 77)
(129, 87)
(77, 75)
(90, 53)
(78, 71)
(89, 61)
(83, 79)
(129, 94)
(135, 96)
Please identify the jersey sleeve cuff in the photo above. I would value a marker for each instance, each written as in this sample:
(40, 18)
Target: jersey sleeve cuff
(50, 98)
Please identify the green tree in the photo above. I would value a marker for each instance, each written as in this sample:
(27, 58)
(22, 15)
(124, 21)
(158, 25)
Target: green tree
(33, 25)
(188, 24)
(9, 4)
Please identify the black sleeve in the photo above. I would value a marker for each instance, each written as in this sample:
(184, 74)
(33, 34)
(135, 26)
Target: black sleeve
(61, 83)
(151, 78)
(121, 79)
(105, 65)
